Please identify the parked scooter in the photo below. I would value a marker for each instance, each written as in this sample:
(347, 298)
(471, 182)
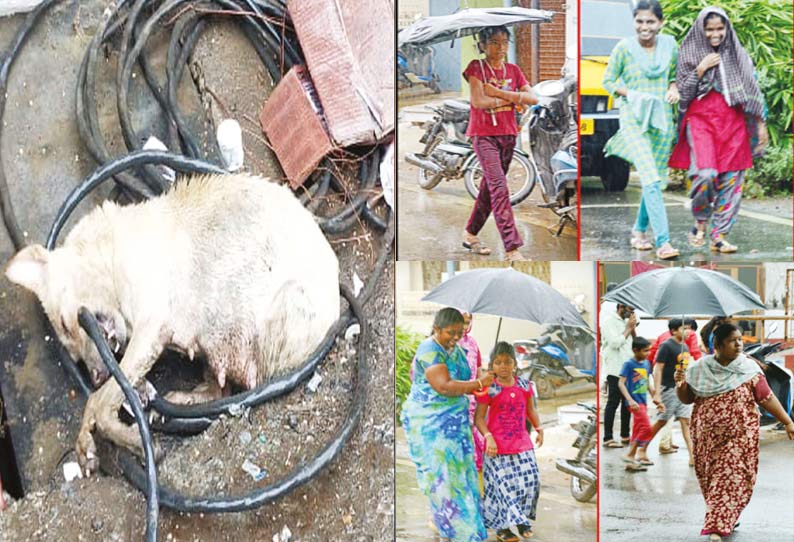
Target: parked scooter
(565, 166)
(415, 66)
(554, 360)
(779, 378)
(582, 469)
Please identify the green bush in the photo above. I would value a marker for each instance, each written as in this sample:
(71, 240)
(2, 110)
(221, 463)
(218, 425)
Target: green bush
(765, 30)
(407, 343)
(771, 174)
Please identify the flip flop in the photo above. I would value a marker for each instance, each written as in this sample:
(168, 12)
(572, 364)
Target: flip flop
(627, 460)
(640, 243)
(645, 461)
(719, 244)
(667, 252)
(667, 450)
(506, 535)
(636, 467)
(612, 444)
(525, 531)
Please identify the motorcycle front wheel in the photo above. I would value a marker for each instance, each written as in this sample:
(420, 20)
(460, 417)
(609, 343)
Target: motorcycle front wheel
(428, 181)
(521, 178)
(580, 490)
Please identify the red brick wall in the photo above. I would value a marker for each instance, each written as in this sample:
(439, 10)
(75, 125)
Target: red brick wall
(552, 42)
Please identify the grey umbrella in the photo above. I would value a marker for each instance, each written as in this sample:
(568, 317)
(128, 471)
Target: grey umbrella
(676, 291)
(506, 292)
(430, 30)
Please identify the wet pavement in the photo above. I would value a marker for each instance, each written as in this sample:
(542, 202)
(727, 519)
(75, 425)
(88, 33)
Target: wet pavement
(763, 231)
(560, 518)
(665, 503)
(430, 222)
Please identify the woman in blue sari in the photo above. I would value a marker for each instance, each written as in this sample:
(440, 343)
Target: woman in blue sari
(436, 421)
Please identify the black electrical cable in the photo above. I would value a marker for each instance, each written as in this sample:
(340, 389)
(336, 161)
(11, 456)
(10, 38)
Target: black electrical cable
(91, 327)
(134, 159)
(298, 476)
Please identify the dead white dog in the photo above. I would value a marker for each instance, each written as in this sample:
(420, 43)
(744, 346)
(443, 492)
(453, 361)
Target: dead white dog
(230, 267)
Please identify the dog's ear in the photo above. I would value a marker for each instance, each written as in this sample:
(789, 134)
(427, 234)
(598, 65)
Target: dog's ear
(29, 268)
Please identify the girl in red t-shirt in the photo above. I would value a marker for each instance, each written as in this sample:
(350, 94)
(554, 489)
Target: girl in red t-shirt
(497, 87)
(510, 472)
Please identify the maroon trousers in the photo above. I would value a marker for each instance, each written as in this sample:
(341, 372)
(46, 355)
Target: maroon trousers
(495, 154)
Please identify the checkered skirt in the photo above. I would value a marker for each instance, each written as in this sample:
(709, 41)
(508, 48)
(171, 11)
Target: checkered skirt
(512, 485)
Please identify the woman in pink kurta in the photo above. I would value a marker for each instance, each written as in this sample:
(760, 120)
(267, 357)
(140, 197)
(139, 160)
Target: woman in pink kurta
(725, 388)
(720, 98)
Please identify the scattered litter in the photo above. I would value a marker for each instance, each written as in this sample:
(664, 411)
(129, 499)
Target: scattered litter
(236, 411)
(245, 438)
(254, 470)
(262, 438)
(154, 144)
(357, 284)
(230, 141)
(347, 520)
(314, 383)
(71, 470)
(352, 331)
(286, 534)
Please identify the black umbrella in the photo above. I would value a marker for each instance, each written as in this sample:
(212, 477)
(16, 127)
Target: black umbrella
(430, 30)
(676, 291)
(506, 292)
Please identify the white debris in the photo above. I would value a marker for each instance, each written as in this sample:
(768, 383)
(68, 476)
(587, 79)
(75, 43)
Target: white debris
(352, 331)
(387, 175)
(230, 141)
(254, 470)
(357, 284)
(314, 383)
(286, 534)
(71, 470)
(154, 144)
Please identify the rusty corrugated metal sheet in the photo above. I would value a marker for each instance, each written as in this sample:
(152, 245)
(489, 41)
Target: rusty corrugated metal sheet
(294, 127)
(349, 50)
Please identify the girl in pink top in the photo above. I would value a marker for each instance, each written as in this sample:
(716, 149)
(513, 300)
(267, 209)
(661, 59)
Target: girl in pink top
(497, 88)
(510, 472)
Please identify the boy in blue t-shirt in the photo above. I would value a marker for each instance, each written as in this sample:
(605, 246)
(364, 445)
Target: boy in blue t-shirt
(634, 384)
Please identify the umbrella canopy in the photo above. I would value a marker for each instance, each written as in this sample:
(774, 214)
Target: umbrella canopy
(508, 293)
(676, 291)
(430, 30)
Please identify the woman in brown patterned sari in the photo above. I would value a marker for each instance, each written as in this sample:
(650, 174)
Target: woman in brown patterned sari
(725, 388)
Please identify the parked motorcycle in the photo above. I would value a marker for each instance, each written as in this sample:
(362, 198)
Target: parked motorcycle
(559, 357)
(448, 155)
(565, 166)
(582, 469)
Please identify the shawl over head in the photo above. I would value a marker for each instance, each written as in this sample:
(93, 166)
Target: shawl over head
(735, 70)
(707, 377)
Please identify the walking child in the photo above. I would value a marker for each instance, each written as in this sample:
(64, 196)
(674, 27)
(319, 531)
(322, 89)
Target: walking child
(634, 385)
(510, 472)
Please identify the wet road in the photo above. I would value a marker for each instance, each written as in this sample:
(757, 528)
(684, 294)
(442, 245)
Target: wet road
(430, 222)
(560, 518)
(763, 231)
(665, 502)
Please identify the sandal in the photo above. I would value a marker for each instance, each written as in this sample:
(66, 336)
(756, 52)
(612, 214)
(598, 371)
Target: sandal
(525, 531)
(612, 444)
(667, 252)
(719, 244)
(640, 242)
(645, 461)
(714, 537)
(514, 256)
(477, 248)
(625, 440)
(697, 237)
(506, 535)
(669, 450)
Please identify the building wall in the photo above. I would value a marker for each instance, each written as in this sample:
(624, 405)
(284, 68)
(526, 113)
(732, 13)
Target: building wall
(410, 11)
(552, 41)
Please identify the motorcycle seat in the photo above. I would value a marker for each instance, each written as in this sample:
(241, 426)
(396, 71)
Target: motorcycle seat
(458, 105)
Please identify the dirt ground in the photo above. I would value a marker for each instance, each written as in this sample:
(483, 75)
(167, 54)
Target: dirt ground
(352, 500)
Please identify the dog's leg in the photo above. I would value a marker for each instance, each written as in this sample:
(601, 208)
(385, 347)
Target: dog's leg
(101, 410)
